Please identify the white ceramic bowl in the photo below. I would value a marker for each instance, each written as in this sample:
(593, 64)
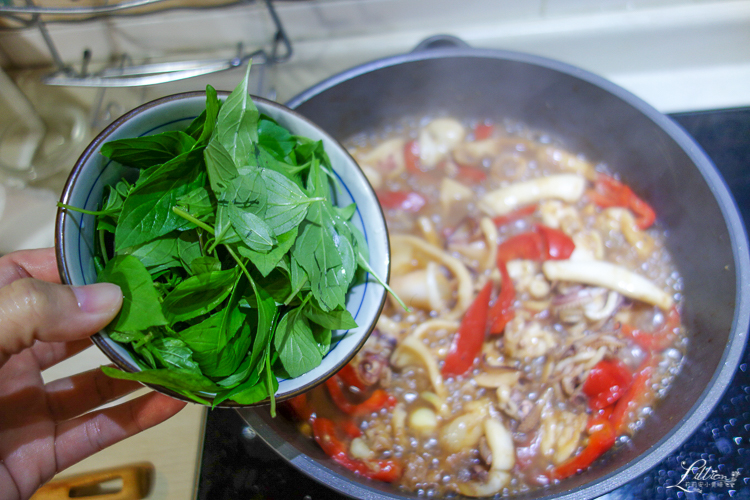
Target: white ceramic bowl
(75, 232)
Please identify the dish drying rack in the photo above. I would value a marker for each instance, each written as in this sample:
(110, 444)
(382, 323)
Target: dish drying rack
(42, 132)
(125, 73)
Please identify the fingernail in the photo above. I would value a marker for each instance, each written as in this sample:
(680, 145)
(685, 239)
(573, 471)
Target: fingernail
(98, 298)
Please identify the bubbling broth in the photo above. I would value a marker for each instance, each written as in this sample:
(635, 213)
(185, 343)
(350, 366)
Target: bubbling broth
(543, 319)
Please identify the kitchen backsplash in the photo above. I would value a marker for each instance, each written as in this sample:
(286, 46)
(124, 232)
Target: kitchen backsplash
(676, 54)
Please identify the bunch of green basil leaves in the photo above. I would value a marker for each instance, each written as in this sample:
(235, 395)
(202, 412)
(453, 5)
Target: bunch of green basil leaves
(233, 261)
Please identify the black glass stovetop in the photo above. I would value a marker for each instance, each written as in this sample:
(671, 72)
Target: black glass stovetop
(236, 465)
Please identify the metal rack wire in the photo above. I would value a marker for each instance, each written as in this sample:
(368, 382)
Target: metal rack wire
(125, 73)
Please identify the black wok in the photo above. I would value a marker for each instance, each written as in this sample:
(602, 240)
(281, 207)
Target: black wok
(606, 123)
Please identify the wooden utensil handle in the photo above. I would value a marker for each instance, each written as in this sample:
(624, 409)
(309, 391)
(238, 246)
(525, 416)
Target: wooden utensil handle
(136, 482)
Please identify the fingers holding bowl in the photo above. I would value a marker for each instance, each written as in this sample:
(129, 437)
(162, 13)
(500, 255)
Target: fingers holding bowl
(83, 436)
(32, 310)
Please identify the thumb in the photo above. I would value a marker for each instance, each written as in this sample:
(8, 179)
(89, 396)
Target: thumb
(33, 310)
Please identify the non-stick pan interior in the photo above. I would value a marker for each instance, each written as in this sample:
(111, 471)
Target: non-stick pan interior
(607, 124)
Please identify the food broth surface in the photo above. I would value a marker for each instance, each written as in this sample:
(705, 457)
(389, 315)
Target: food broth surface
(468, 210)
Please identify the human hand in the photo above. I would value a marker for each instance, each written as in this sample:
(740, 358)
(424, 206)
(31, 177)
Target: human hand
(46, 428)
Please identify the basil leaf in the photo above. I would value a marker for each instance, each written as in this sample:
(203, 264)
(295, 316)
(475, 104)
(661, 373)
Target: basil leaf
(126, 337)
(251, 229)
(158, 254)
(216, 359)
(147, 211)
(172, 378)
(199, 203)
(188, 249)
(298, 275)
(203, 265)
(219, 165)
(266, 262)
(317, 254)
(239, 376)
(198, 295)
(255, 393)
(346, 212)
(141, 308)
(145, 152)
(275, 138)
(237, 124)
(252, 390)
(267, 313)
(246, 192)
(211, 113)
(174, 353)
(323, 338)
(286, 205)
(338, 319)
(298, 350)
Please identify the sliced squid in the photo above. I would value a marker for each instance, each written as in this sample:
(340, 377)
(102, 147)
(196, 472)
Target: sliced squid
(451, 192)
(638, 239)
(424, 288)
(498, 377)
(608, 275)
(464, 431)
(423, 421)
(464, 287)
(411, 351)
(566, 187)
(589, 245)
(387, 158)
(561, 434)
(437, 139)
(473, 151)
(359, 449)
(496, 481)
(398, 424)
(569, 162)
(433, 325)
(500, 443)
(491, 236)
(427, 228)
(559, 215)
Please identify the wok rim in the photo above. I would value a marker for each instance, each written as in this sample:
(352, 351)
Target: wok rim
(728, 362)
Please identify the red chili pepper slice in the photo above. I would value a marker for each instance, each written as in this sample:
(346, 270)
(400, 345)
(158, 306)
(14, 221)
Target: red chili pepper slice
(544, 243)
(324, 431)
(557, 245)
(468, 340)
(644, 214)
(609, 192)
(639, 391)
(515, 215)
(300, 407)
(528, 246)
(471, 174)
(483, 131)
(349, 428)
(502, 310)
(602, 438)
(378, 400)
(338, 397)
(408, 201)
(411, 157)
(349, 376)
(606, 383)
(659, 339)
